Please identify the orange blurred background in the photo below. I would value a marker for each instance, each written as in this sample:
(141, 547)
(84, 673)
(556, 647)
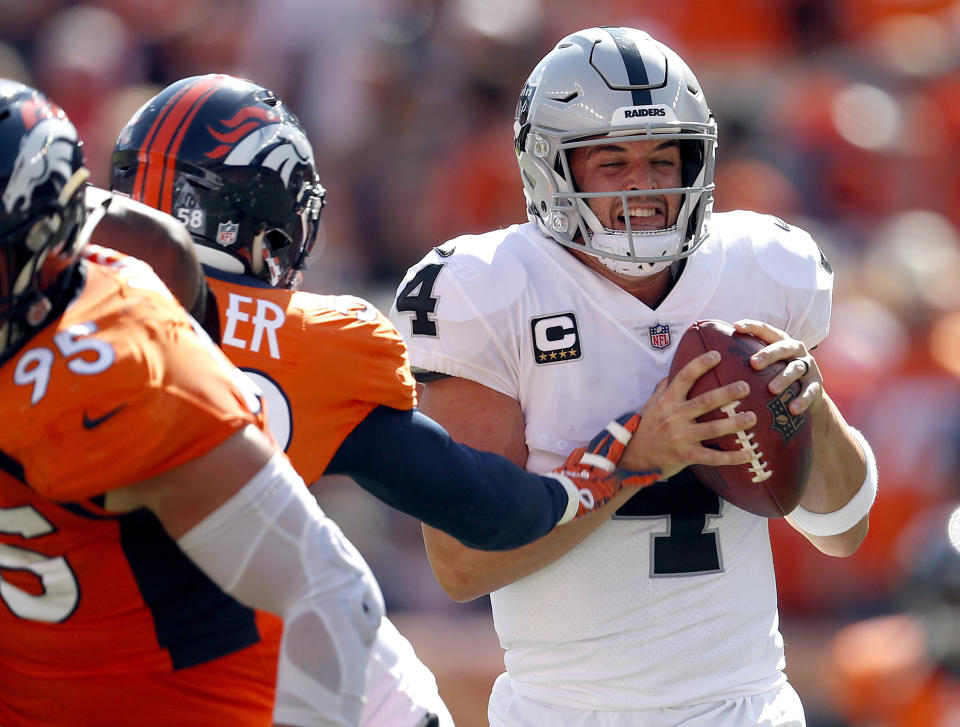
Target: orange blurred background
(842, 117)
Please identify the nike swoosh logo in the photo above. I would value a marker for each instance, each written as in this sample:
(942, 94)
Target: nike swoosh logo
(445, 253)
(89, 423)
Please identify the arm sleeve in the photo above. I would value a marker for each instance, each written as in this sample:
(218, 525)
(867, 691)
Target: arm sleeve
(271, 547)
(410, 462)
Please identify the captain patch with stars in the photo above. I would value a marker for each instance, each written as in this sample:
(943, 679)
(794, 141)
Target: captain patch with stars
(556, 338)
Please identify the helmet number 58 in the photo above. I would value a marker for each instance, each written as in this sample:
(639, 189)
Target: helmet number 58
(192, 218)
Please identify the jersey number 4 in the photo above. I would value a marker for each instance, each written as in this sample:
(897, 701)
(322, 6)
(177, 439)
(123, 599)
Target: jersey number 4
(417, 297)
(690, 546)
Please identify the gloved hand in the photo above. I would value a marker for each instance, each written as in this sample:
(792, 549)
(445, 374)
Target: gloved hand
(590, 475)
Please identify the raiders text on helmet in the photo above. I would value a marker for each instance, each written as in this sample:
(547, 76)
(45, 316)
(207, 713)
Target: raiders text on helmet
(619, 82)
(228, 159)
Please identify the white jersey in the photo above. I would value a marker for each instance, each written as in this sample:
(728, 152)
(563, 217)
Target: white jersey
(673, 600)
(401, 690)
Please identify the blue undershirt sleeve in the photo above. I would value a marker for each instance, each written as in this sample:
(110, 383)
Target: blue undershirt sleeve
(485, 501)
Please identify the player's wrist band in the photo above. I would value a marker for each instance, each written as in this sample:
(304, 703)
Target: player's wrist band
(573, 495)
(839, 521)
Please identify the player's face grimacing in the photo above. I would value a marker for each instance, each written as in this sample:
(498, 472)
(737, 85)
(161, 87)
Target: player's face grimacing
(630, 165)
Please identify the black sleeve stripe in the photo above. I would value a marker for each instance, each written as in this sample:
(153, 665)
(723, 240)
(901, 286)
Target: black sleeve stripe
(425, 377)
(12, 467)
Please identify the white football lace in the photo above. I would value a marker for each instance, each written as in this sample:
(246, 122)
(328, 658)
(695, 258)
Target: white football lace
(760, 469)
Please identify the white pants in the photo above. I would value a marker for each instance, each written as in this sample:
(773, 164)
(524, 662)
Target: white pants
(780, 707)
(401, 690)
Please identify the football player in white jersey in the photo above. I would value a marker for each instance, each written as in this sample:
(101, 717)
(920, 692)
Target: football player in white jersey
(660, 608)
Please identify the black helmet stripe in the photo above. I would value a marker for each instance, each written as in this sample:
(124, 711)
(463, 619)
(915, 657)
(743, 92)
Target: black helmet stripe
(633, 62)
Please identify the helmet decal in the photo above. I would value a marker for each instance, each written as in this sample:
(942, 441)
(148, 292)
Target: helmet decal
(47, 149)
(42, 177)
(240, 124)
(633, 62)
(154, 182)
(227, 233)
(523, 105)
(288, 147)
(187, 208)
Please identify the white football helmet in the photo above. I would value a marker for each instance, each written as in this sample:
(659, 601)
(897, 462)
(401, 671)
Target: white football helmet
(604, 82)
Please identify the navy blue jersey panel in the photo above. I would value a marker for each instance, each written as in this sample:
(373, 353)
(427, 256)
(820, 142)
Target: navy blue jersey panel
(194, 619)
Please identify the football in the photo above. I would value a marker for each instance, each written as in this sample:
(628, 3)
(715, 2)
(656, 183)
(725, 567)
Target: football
(772, 483)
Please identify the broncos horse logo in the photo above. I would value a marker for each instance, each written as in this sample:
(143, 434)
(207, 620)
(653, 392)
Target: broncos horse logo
(254, 133)
(46, 149)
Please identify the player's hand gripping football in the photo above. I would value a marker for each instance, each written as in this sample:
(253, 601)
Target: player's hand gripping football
(801, 365)
(590, 474)
(669, 435)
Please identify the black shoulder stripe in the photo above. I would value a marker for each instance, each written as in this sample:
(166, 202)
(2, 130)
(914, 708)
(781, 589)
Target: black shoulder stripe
(80, 509)
(425, 377)
(194, 620)
(13, 468)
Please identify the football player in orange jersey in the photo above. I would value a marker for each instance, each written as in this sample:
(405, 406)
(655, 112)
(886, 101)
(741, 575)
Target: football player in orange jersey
(144, 508)
(225, 156)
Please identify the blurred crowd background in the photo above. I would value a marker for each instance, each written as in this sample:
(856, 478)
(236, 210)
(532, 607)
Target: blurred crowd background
(840, 116)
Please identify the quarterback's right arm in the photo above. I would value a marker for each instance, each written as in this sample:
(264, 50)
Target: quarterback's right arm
(488, 420)
(453, 310)
(667, 439)
(244, 516)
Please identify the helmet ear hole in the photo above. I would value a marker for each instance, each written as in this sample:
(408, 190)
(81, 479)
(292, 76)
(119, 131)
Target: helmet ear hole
(276, 240)
(691, 161)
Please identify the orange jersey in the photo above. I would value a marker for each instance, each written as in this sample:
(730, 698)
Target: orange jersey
(104, 620)
(322, 362)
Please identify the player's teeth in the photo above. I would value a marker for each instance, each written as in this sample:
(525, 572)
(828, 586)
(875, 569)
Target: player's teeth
(642, 212)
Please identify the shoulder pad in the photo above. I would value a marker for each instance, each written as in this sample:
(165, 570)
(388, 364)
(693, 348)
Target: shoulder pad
(786, 253)
(468, 276)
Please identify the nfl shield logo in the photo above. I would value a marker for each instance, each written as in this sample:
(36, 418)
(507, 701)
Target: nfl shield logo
(660, 335)
(227, 233)
(789, 425)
